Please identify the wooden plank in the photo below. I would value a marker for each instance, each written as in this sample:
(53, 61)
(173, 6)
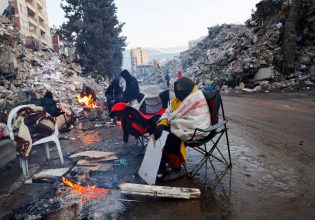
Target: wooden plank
(152, 158)
(84, 162)
(95, 167)
(51, 173)
(93, 154)
(160, 191)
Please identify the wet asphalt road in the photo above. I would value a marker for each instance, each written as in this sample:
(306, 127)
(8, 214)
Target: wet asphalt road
(272, 138)
(273, 151)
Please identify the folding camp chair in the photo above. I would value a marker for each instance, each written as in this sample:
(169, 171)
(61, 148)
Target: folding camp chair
(216, 130)
(140, 121)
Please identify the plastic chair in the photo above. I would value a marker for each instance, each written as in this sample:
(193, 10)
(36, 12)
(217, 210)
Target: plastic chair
(216, 130)
(45, 140)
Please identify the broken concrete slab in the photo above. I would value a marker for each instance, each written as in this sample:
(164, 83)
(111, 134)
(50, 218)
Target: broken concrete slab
(264, 74)
(7, 151)
(8, 62)
(4, 20)
(311, 70)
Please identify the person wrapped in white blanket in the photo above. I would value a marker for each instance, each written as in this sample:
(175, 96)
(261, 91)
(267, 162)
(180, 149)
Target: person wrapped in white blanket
(187, 111)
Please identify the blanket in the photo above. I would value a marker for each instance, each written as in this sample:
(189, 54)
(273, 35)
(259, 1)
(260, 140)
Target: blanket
(30, 125)
(192, 113)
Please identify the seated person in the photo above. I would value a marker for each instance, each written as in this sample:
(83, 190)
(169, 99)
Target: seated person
(55, 109)
(132, 87)
(113, 93)
(50, 105)
(86, 91)
(187, 111)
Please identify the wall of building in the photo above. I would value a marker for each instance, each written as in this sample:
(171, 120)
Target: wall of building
(139, 56)
(32, 20)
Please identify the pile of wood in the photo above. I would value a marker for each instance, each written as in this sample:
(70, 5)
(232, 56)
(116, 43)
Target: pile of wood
(94, 160)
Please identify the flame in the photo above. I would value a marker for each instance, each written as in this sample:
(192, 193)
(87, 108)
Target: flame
(91, 192)
(86, 101)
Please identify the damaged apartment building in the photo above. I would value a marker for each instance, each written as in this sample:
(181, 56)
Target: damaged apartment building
(30, 18)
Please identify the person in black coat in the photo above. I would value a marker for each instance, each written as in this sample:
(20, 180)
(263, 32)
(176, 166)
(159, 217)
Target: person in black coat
(132, 87)
(50, 105)
(113, 93)
(167, 78)
(87, 91)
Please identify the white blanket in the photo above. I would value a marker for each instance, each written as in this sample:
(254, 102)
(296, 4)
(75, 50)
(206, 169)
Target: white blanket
(192, 113)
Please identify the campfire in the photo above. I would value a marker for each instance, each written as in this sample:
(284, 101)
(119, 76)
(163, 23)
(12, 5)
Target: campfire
(89, 192)
(87, 101)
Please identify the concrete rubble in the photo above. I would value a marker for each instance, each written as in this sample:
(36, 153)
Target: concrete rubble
(238, 56)
(26, 74)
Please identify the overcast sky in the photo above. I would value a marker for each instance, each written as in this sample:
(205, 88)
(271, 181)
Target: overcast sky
(168, 23)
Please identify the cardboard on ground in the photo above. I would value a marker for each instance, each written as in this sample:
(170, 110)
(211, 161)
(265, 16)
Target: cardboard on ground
(152, 158)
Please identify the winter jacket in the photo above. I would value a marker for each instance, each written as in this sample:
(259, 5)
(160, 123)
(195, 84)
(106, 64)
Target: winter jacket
(132, 88)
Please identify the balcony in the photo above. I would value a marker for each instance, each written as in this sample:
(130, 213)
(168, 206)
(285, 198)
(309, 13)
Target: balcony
(39, 6)
(31, 14)
(30, 4)
(42, 22)
(32, 28)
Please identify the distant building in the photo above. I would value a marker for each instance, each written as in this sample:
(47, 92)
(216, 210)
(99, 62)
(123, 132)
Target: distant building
(30, 18)
(139, 57)
(193, 43)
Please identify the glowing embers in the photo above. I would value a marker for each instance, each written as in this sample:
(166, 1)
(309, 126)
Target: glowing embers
(87, 101)
(88, 192)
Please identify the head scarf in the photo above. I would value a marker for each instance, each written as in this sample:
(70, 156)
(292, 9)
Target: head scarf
(125, 74)
(183, 87)
(115, 83)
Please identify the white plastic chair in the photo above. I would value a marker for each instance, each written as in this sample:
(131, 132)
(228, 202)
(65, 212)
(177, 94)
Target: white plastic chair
(45, 140)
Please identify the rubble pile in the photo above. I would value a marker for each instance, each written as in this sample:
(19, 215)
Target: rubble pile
(26, 74)
(249, 57)
(158, 75)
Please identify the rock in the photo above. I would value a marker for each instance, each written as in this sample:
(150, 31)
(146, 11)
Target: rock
(4, 20)
(257, 89)
(304, 59)
(7, 152)
(311, 19)
(2, 102)
(265, 85)
(311, 70)
(264, 74)
(8, 63)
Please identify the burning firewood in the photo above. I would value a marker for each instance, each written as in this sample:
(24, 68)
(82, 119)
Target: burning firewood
(91, 192)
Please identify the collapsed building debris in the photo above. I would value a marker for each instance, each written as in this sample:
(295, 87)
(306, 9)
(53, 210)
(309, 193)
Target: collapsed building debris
(26, 74)
(233, 56)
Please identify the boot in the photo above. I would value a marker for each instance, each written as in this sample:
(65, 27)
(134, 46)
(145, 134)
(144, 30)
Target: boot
(174, 175)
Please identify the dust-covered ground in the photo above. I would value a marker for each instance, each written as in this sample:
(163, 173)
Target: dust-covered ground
(273, 177)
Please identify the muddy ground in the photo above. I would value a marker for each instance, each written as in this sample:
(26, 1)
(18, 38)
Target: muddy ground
(273, 175)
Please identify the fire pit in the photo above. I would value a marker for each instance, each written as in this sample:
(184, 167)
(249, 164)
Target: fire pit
(91, 109)
(87, 192)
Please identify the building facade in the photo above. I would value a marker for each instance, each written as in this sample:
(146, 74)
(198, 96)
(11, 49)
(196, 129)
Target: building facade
(139, 57)
(31, 19)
